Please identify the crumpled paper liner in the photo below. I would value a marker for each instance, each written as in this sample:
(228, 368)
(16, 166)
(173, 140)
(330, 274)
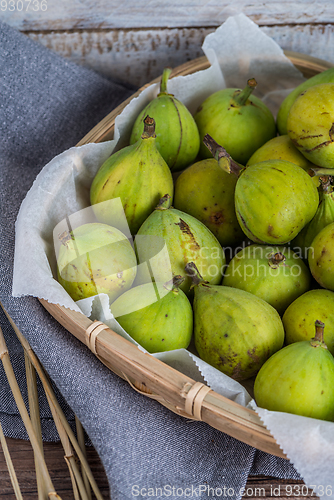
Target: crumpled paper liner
(237, 50)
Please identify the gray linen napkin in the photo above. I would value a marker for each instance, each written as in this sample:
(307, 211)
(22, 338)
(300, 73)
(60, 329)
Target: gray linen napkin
(46, 105)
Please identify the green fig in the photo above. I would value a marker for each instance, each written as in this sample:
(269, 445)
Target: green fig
(138, 175)
(300, 316)
(177, 133)
(275, 274)
(282, 148)
(95, 258)
(186, 240)
(206, 192)
(156, 315)
(234, 331)
(323, 216)
(321, 257)
(299, 379)
(283, 112)
(274, 199)
(238, 121)
(311, 124)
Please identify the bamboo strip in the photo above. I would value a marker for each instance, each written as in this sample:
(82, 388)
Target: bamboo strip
(36, 421)
(10, 466)
(81, 442)
(24, 414)
(50, 394)
(78, 486)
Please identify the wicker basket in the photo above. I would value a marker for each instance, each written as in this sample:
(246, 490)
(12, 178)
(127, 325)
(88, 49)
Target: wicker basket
(149, 375)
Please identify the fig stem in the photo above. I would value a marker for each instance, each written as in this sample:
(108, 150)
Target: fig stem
(164, 79)
(220, 154)
(240, 96)
(192, 271)
(164, 203)
(276, 259)
(319, 171)
(149, 128)
(326, 184)
(174, 283)
(319, 330)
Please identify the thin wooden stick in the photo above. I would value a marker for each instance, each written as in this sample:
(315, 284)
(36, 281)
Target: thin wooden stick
(10, 466)
(50, 394)
(81, 442)
(77, 481)
(4, 355)
(36, 421)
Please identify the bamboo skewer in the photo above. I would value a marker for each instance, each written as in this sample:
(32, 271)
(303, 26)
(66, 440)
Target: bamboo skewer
(55, 407)
(10, 466)
(36, 421)
(4, 355)
(81, 442)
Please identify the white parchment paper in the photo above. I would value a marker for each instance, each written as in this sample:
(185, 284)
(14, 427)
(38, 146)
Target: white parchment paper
(237, 50)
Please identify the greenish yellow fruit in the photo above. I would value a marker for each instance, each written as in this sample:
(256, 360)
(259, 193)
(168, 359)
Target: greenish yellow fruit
(282, 148)
(186, 239)
(323, 216)
(300, 316)
(298, 379)
(311, 124)
(234, 331)
(96, 258)
(206, 192)
(274, 200)
(321, 257)
(282, 115)
(238, 121)
(275, 274)
(161, 317)
(136, 174)
(177, 133)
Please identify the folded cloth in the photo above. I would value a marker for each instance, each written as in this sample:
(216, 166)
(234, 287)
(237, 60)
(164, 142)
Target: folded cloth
(47, 105)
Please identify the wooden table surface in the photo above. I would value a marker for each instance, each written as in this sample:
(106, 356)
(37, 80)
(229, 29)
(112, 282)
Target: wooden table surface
(257, 487)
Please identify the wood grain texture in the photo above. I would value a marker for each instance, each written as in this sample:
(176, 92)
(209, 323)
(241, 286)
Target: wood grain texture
(139, 56)
(112, 14)
(257, 487)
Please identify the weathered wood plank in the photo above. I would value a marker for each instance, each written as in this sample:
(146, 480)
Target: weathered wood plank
(136, 57)
(139, 56)
(112, 14)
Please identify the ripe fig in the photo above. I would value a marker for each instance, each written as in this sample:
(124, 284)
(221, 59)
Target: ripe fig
(300, 316)
(96, 258)
(138, 175)
(177, 134)
(275, 274)
(274, 199)
(311, 124)
(321, 257)
(282, 115)
(280, 148)
(234, 331)
(238, 121)
(206, 192)
(323, 216)
(299, 379)
(186, 239)
(157, 315)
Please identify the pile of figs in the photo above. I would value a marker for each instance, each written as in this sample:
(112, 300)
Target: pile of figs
(232, 218)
